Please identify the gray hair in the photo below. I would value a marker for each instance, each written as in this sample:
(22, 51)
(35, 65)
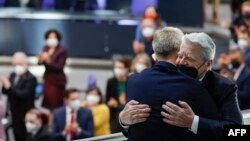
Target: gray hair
(20, 56)
(166, 41)
(204, 41)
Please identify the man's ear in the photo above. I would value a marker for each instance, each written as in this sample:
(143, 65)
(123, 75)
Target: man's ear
(154, 57)
(209, 64)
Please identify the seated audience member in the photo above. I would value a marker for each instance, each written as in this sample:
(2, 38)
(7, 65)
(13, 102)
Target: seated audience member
(20, 89)
(36, 131)
(115, 92)
(140, 62)
(71, 122)
(241, 75)
(243, 40)
(100, 111)
(2, 131)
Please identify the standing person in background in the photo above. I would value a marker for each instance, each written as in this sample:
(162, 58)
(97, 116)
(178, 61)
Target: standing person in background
(53, 57)
(115, 92)
(20, 89)
(100, 111)
(2, 131)
(215, 10)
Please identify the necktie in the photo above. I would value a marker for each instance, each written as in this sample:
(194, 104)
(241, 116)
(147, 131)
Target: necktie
(72, 121)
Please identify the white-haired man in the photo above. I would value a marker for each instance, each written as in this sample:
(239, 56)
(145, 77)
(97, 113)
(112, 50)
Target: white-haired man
(20, 89)
(195, 58)
(163, 82)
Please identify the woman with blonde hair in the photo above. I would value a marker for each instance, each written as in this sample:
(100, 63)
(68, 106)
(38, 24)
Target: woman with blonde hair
(140, 62)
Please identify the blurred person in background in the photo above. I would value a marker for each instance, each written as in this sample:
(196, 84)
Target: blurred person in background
(236, 8)
(145, 31)
(243, 41)
(239, 72)
(215, 10)
(145, 45)
(2, 131)
(140, 62)
(241, 75)
(20, 89)
(36, 131)
(100, 111)
(53, 57)
(72, 122)
(115, 92)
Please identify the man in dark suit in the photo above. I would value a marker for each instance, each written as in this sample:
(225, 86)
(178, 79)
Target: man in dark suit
(20, 89)
(163, 82)
(35, 128)
(241, 75)
(222, 90)
(71, 122)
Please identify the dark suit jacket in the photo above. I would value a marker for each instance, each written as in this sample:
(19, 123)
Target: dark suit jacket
(54, 71)
(112, 91)
(41, 135)
(224, 93)
(21, 96)
(84, 119)
(165, 83)
(243, 83)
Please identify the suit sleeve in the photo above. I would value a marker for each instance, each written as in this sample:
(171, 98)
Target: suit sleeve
(89, 130)
(231, 116)
(25, 91)
(57, 132)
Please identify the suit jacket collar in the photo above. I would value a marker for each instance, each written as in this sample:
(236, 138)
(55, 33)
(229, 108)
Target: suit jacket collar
(165, 66)
(243, 75)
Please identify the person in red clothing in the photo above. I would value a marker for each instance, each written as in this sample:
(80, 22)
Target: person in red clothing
(53, 57)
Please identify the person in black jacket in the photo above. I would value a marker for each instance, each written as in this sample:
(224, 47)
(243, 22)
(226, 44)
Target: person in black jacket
(20, 89)
(115, 91)
(36, 131)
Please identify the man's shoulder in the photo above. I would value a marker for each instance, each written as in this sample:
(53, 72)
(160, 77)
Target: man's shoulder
(59, 110)
(219, 80)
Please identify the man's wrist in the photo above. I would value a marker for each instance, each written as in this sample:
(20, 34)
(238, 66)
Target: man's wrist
(195, 124)
(123, 125)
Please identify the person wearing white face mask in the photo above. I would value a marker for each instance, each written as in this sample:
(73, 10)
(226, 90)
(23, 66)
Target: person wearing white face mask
(36, 131)
(20, 89)
(53, 57)
(140, 62)
(115, 91)
(72, 122)
(99, 110)
(145, 44)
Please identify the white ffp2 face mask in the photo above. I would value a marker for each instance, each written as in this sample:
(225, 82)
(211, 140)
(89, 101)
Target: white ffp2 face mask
(52, 42)
(75, 104)
(119, 72)
(19, 70)
(243, 43)
(93, 99)
(31, 127)
(140, 67)
(148, 32)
